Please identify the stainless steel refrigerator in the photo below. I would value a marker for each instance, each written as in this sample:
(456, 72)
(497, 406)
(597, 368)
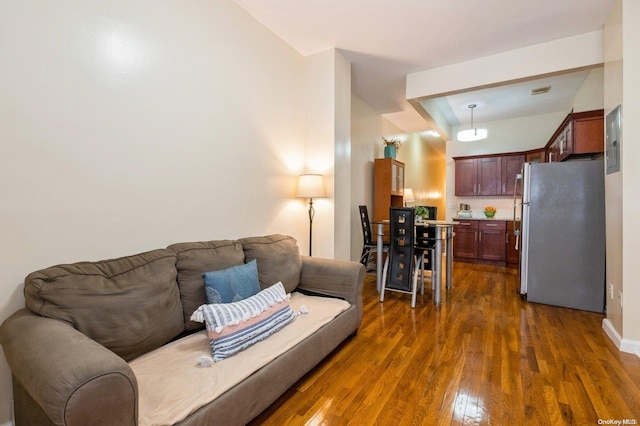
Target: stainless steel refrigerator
(563, 234)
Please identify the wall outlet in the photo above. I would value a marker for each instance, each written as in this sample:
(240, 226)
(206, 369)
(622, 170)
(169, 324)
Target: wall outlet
(611, 291)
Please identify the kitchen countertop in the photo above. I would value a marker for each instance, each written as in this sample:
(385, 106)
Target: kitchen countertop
(509, 219)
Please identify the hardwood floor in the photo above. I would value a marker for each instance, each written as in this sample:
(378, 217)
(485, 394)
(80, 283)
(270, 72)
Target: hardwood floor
(484, 356)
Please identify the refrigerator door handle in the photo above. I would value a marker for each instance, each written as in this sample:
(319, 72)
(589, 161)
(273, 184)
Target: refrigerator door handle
(524, 229)
(515, 202)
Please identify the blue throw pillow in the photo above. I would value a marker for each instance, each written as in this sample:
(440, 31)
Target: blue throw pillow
(232, 284)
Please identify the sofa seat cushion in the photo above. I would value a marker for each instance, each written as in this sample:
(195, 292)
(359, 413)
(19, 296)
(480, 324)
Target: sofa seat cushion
(131, 305)
(171, 385)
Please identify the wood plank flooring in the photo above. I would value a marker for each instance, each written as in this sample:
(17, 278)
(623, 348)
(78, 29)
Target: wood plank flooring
(484, 357)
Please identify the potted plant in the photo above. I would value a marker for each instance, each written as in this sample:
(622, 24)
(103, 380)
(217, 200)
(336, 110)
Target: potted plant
(421, 212)
(391, 146)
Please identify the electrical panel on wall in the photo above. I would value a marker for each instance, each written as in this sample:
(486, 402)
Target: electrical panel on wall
(613, 140)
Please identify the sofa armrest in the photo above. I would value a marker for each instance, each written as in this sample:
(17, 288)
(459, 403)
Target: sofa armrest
(337, 278)
(74, 380)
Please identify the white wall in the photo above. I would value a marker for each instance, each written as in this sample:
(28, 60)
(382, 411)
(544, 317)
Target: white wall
(613, 182)
(125, 128)
(591, 93)
(622, 65)
(631, 172)
(342, 155)
(424, 173)
(367, 129)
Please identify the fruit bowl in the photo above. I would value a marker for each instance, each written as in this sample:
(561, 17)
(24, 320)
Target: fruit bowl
(489, 211)
(489, 214)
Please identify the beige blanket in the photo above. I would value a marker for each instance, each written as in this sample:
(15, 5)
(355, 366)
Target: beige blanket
(171, 386)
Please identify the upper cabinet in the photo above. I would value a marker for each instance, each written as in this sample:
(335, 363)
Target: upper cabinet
(478, 176)
(581, 134)
(536, 156)
(466, 176)
(388, 186)
(487, 175)
(511, 167)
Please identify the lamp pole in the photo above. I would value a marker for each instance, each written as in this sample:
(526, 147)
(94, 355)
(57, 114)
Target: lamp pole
(312, 213)
(311, 186)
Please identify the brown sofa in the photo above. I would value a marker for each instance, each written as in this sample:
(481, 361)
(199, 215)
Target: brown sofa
(69, 348)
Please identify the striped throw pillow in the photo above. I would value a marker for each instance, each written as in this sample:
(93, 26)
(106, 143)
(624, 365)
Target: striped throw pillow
(234, 327)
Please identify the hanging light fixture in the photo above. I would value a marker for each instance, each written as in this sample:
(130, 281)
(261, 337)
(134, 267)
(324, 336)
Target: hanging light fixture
(472, 134)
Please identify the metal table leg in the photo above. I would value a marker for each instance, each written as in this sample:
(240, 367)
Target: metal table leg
(438, 266)
(379, 257)
(449, 233)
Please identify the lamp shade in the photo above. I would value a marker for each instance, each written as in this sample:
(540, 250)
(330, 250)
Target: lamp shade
(471, 135)
(311, 186)
(408, 195)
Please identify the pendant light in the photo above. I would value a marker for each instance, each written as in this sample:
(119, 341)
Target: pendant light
(472, 134)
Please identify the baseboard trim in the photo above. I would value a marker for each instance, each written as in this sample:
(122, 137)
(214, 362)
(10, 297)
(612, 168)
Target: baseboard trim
(624, 345)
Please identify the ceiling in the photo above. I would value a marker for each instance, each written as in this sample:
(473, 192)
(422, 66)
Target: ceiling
(387, 39)
(513, 100)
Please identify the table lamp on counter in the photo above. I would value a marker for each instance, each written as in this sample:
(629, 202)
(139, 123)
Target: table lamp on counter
(408, 196)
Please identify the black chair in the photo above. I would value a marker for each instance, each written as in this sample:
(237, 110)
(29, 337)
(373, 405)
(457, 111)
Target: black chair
(369, 246)
(426, 245)
(400, 271)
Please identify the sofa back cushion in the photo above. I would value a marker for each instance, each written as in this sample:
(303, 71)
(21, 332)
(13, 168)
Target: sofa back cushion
(130, 305)
(194, 259)
(278, 259)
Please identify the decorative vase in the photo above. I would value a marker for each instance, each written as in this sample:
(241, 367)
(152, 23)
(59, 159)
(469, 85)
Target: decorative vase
(389, 151)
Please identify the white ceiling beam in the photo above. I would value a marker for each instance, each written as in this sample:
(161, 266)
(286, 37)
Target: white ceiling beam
(567, 54)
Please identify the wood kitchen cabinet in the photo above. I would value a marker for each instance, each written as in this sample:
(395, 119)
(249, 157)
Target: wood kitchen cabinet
(478, 176)
(465, 239)
(487, 175)
(536, 156)
(388, 187)
(581, 134)
(466, 177)
(511, 166)
(481, 241)
(491, 239)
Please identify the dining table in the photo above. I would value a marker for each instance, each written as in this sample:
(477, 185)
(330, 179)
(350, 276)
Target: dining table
(443, 235)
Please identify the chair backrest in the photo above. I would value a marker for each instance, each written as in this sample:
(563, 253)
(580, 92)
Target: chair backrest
(433, 212)
(426, 235)
(401, 247)
(366, 225)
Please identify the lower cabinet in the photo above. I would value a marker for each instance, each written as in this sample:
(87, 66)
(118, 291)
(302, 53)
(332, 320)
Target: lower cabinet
(465, 240)
(480, 240)
(491, 240)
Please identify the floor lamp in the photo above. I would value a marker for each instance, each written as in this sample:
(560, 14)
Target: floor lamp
(311, 186)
